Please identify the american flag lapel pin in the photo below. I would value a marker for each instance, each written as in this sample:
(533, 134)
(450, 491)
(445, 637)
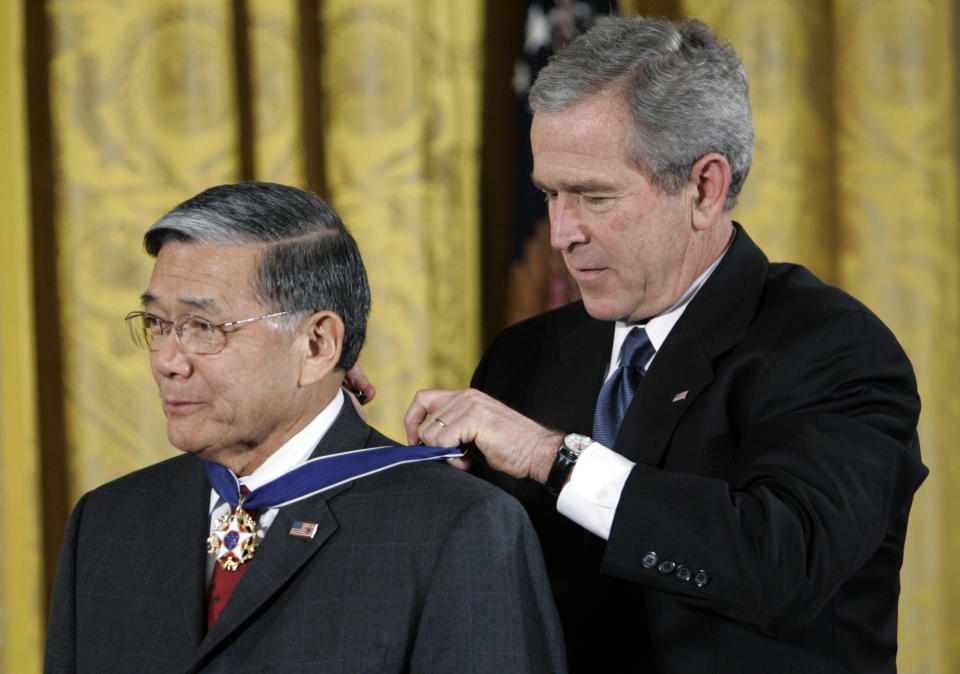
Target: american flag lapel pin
(680, 396)
(304, 529)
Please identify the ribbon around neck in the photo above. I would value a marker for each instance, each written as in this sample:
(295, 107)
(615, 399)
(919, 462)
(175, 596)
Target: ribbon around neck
(321, 473)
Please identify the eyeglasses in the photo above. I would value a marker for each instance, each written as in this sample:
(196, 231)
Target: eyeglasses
(195, 334)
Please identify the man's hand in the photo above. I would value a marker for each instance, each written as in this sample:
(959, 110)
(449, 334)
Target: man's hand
(510, 442)
(358, 389)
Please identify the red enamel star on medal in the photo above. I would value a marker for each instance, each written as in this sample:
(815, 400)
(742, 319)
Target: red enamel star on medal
(234, 539)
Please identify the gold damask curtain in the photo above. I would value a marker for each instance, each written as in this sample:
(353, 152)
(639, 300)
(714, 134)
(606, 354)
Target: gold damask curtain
(21, 560)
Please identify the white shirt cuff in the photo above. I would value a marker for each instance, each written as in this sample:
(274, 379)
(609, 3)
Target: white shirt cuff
(591, 495)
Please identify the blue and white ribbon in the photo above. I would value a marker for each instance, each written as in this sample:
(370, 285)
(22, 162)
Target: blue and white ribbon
(321, 473)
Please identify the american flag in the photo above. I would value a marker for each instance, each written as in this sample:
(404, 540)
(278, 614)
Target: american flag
(681, 396)
(304, 529)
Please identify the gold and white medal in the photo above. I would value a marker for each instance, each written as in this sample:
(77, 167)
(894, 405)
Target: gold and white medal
(234, 538)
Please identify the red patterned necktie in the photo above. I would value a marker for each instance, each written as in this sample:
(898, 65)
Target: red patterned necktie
(224, 582)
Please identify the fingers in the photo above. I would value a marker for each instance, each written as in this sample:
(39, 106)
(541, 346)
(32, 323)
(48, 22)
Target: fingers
(357, 405)
(425, 410)
(463, 463)
(509, 441)
(357, 383)
(415, 415)
(457, 418)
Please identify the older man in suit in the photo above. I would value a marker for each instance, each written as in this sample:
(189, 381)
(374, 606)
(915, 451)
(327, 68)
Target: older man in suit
(352, 561)
(733, 442)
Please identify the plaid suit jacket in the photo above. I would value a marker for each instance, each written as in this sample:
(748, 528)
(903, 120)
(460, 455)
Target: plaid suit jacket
(420, 568)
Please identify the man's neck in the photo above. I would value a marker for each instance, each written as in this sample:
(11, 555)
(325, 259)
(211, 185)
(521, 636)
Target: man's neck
(297, 449)
(245, 460)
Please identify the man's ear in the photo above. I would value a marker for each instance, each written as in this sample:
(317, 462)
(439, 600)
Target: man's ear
(323, 331)
(710, 177)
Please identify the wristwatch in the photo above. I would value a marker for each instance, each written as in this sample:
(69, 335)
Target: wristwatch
(567, 455)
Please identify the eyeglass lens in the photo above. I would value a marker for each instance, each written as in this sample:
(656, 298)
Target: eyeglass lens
(195, 334)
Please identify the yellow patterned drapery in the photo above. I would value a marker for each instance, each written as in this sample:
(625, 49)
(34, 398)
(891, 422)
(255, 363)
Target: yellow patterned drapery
(403, 83)
(21, 555)
(856, 176)
(142, 108)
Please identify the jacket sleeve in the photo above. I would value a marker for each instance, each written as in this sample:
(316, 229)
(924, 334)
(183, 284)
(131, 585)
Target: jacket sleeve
(823, 464)
(61, 648)
(489, 607)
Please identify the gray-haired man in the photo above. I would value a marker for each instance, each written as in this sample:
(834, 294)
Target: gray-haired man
(256, 307)
(733, 442)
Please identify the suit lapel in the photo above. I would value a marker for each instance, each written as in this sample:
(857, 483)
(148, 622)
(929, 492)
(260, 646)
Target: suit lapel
(278, 559)
(184, 566)
(568, 392)
(681, 370)
(281, 555)
(712, 324)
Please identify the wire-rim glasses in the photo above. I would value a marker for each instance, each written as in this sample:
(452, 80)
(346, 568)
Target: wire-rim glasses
(195, 333)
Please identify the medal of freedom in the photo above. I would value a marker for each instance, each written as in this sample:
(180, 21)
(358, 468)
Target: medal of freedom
(234, 539)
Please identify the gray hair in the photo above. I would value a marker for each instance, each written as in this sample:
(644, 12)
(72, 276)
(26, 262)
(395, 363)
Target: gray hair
(684, 88)
(309, 261)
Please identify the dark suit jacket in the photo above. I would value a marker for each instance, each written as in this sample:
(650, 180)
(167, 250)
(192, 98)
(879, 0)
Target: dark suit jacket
(419, 568)
(762, 529)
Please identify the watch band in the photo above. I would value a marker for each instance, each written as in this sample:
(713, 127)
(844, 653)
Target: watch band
(567, 454)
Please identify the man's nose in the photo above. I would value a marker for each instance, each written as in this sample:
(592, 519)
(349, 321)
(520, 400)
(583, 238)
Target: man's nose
(565, 222)
(169, 357)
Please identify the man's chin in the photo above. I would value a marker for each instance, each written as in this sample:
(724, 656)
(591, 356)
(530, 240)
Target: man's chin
(199, 452)
(187, 443)
(603, 311)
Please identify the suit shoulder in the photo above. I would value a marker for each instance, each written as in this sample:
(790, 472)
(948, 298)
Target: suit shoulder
(378, 439)
(437, 479)
(157, 479)
(798, 286)
(168, 469)
(796, 299)
(799, 314)
(519, 348)
(560, 318)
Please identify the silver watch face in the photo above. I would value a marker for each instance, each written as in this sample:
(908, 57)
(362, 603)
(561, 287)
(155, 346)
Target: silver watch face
(576, 443)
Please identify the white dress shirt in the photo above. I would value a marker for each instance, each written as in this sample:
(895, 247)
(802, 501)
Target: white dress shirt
(291, 454)
(592, 493)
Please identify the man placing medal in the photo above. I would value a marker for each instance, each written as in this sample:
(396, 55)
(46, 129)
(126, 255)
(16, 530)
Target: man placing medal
(296, 537)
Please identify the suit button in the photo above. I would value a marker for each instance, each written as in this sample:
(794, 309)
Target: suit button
(649, 560)
(666, 566)
(684, 573)
(701, 578)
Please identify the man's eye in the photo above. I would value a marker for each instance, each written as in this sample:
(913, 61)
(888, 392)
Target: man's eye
(152, 322)
(199, 324)
(595, 200)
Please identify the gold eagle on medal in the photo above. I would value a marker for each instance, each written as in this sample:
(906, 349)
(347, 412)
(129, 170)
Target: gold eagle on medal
(234, 539)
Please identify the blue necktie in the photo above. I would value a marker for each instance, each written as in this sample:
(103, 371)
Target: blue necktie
(618, 390)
